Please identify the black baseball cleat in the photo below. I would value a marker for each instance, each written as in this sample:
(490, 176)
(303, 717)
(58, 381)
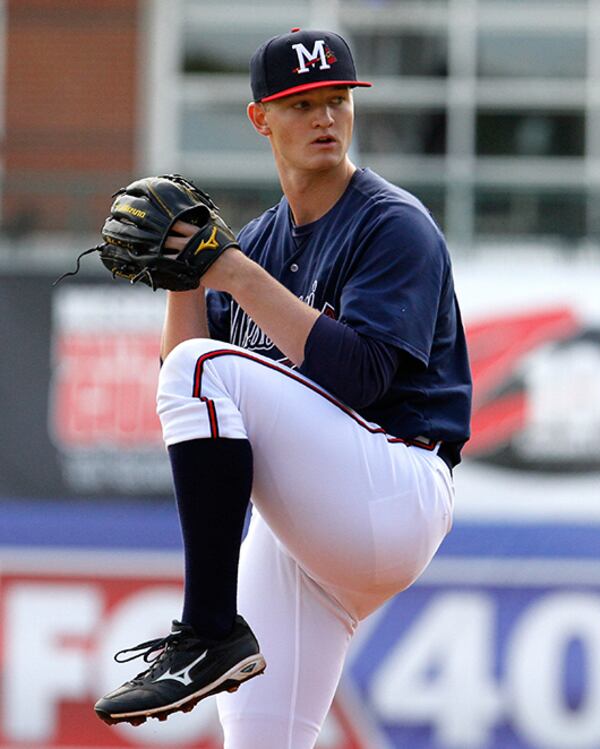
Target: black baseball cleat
(184, 669)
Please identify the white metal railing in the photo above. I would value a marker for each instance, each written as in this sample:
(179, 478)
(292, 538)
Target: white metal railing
(461, 95)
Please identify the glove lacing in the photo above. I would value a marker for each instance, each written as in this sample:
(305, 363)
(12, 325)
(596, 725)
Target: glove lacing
(76, 271)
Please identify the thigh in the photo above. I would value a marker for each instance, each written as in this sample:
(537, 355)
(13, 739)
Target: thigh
(361, 513)
(304, 635)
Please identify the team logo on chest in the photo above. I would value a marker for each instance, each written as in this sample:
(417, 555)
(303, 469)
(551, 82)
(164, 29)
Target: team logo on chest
(307, 60)
(244, 332)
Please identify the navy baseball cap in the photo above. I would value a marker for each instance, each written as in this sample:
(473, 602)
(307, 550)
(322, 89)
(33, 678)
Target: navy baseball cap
(295, 62)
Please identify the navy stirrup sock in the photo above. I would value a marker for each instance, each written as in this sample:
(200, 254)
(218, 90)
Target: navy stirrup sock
(213, 482)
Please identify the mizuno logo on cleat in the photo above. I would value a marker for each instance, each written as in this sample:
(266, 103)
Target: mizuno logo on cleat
(249, 669)
(182, 676)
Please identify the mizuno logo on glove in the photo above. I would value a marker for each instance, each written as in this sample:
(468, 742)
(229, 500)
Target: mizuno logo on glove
(208, 244)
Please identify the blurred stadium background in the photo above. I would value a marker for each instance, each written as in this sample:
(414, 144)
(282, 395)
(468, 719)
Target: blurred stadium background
(489, 110)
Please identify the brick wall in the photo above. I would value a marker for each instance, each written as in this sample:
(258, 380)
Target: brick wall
(71, 105)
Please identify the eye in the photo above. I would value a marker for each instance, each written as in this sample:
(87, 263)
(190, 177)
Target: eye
(302, 104)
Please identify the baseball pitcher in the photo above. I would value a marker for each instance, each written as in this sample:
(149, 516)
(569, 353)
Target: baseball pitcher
(315, 365)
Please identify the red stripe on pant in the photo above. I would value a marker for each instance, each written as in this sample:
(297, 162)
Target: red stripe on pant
(214, 426)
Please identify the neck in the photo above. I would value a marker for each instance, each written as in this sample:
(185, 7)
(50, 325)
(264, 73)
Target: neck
(312, 194)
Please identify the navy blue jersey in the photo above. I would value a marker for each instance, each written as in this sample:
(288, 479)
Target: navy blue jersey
(377, 263)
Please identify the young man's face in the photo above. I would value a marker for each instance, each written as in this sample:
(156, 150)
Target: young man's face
(312, 130)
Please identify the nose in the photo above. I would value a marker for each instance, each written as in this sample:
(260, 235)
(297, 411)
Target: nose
(323, 117)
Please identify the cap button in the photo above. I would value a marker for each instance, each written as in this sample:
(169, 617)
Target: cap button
(296, 28)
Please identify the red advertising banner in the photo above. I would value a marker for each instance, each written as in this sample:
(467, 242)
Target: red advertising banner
(102, 417)
(62, 617)
(105, 391)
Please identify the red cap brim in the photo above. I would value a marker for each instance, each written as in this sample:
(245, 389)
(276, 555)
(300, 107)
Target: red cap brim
(316, 84)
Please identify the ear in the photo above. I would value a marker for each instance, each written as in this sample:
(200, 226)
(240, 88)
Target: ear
(257, 114)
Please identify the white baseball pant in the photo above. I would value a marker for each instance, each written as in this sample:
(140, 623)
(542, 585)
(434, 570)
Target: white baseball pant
(344, 517)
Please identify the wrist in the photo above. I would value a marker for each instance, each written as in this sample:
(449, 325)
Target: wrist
(186, 297)
(229, 273)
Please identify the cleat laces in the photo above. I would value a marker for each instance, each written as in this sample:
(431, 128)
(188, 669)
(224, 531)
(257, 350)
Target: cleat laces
(162, 647)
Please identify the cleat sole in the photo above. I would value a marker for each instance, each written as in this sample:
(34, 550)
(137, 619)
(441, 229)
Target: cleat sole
(109, 720)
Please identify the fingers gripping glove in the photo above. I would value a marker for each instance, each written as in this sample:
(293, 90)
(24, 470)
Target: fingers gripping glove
(142, 216)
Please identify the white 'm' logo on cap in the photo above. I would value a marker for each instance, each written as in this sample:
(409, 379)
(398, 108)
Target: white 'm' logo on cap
(304, 56)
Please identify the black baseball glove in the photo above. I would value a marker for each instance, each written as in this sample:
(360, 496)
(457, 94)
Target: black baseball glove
(141, 217)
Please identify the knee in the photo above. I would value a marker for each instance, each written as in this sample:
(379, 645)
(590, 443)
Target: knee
(177, 372)
(191, 374)
(181, 361)
(188, 351)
